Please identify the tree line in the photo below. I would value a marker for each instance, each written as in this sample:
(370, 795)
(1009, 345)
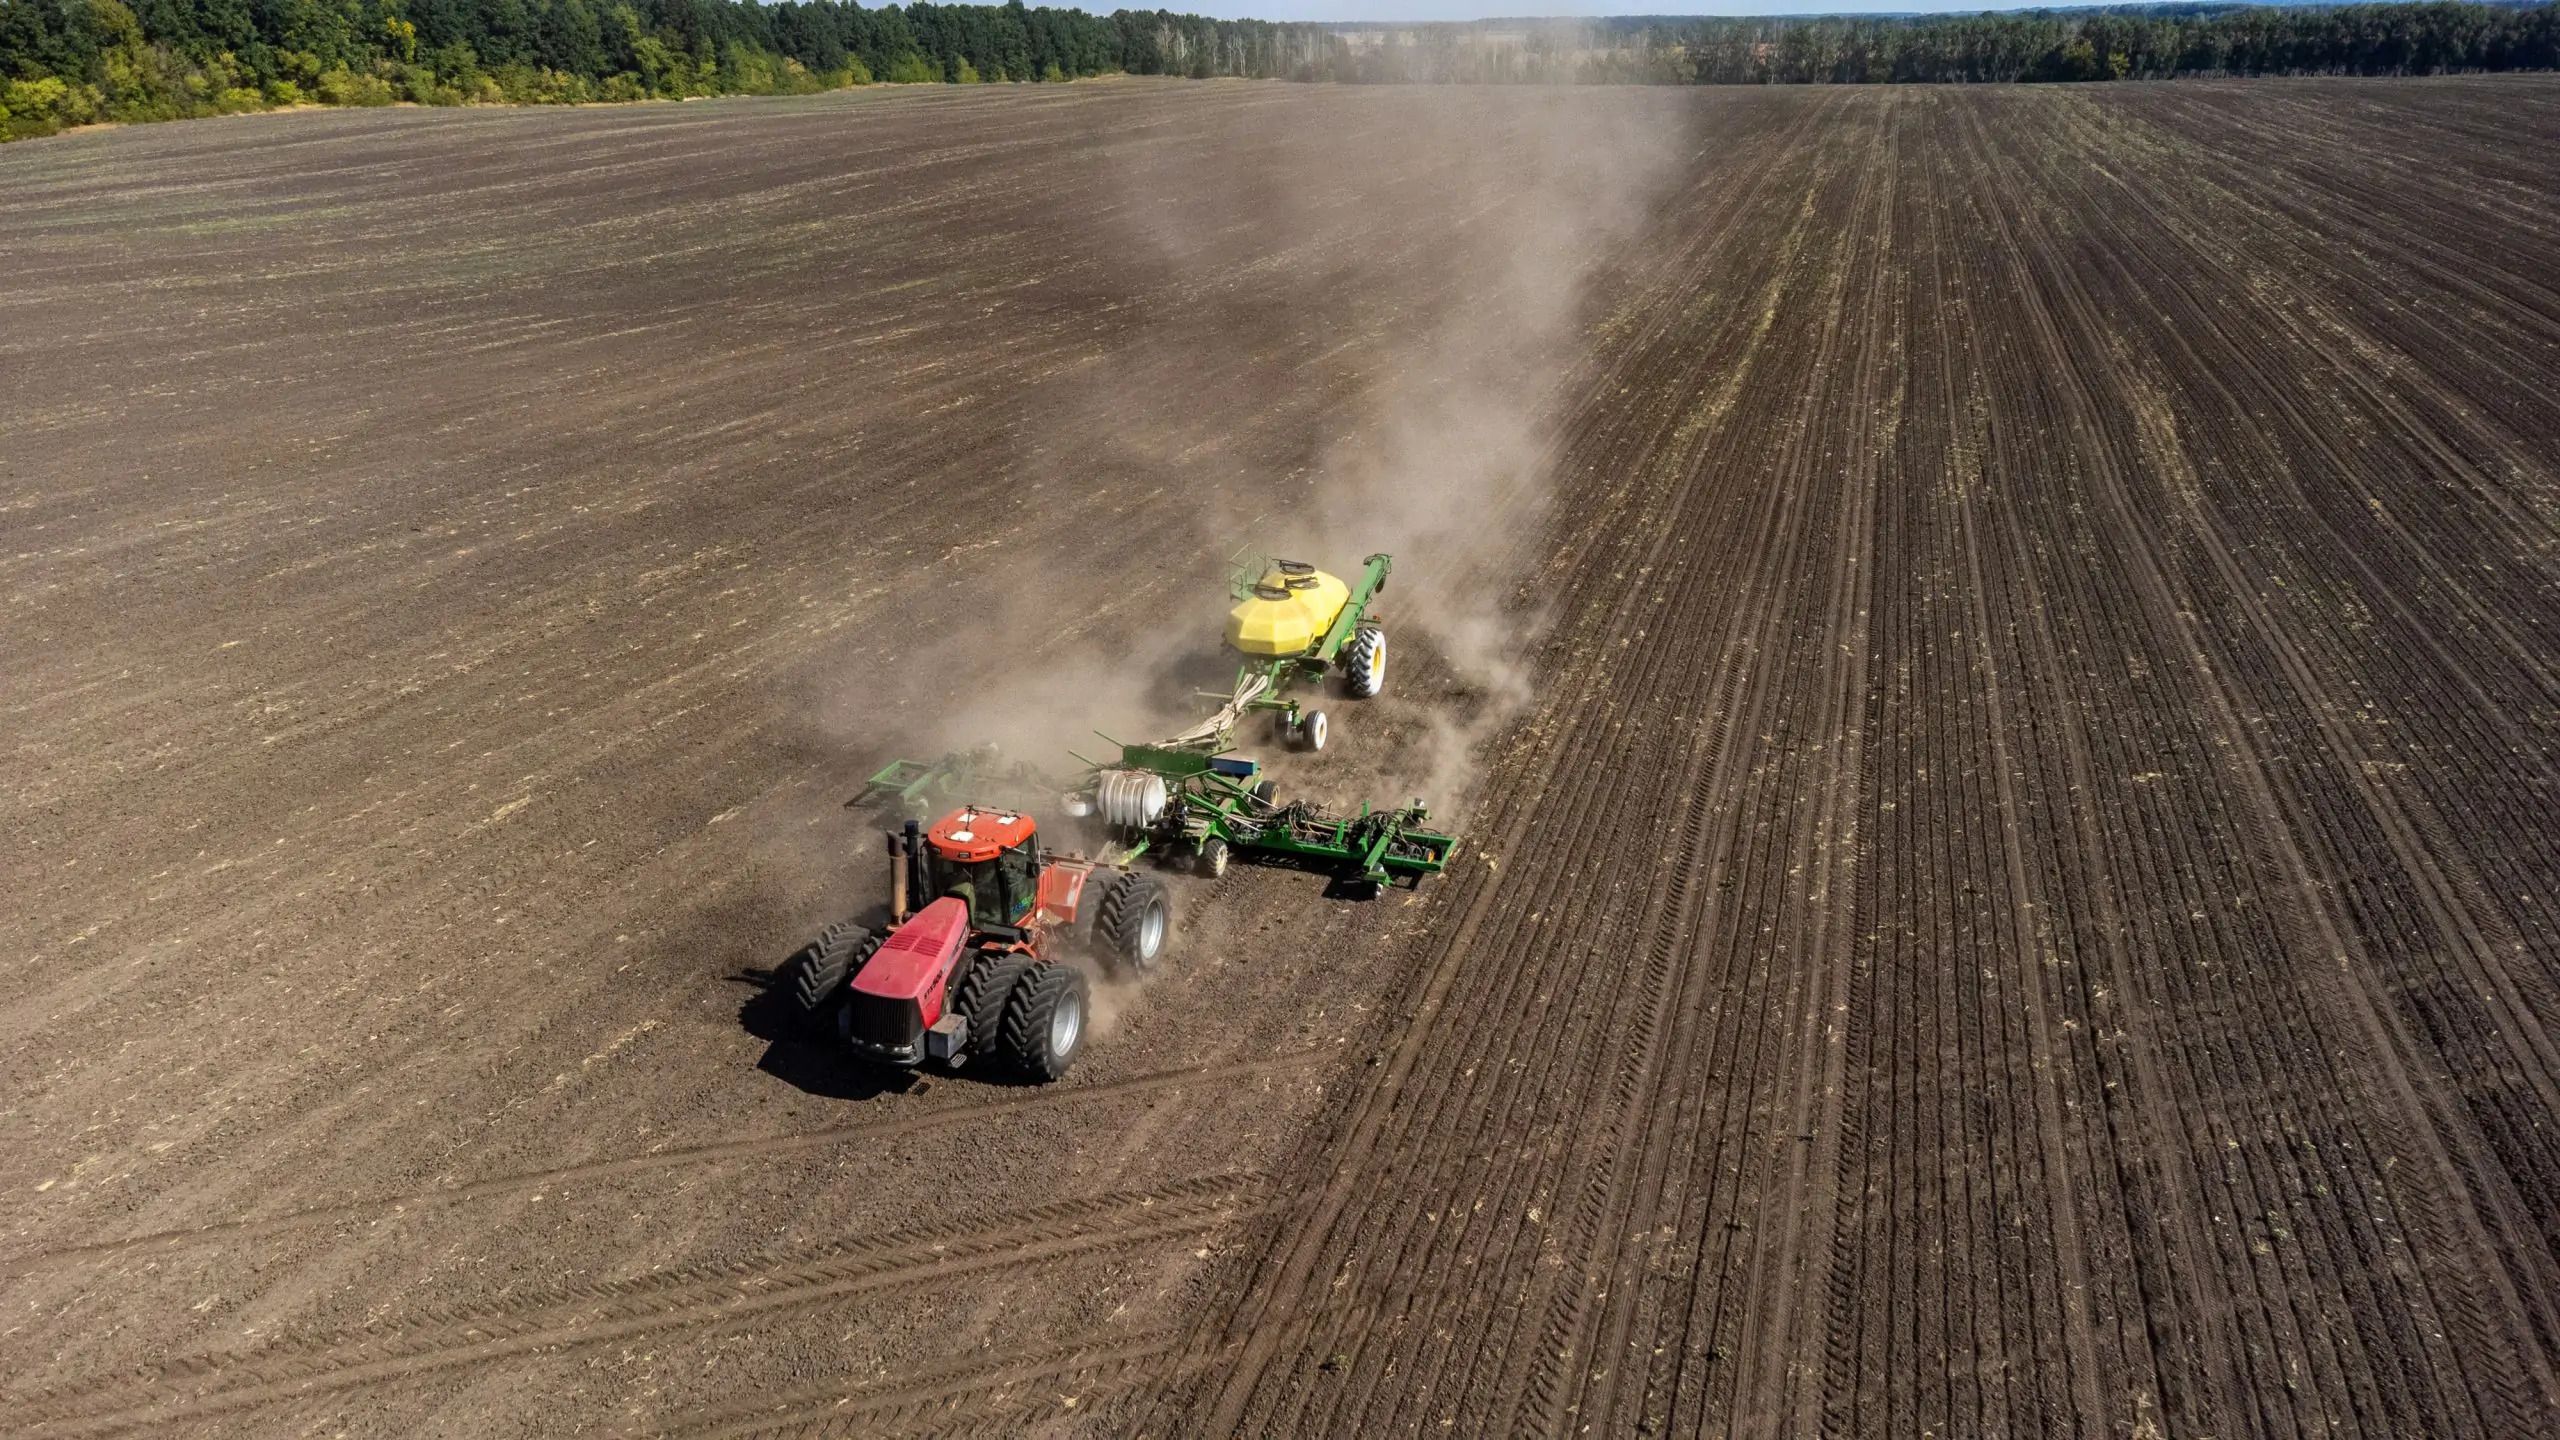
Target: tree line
(2139, 42)
(71, 62)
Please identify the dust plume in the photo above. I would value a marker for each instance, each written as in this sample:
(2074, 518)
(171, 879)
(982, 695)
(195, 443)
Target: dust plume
(1512, 206)
(1396, 284)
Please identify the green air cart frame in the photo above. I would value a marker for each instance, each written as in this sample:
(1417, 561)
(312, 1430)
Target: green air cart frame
(1270, 681)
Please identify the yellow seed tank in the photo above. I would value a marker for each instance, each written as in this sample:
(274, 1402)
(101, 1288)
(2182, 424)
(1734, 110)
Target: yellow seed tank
(1290, 610)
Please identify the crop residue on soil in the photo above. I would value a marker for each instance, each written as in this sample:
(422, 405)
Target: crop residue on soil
(2016, 895)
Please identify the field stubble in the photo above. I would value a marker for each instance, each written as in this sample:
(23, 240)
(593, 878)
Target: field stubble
(2018, 898)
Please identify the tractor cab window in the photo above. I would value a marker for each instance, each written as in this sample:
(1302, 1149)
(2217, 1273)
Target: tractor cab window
(1021, 881)
(976, 882)
(998, 891)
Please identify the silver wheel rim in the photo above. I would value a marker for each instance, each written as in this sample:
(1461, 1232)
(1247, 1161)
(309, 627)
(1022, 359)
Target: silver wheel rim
(1066, 1024)
(1151, 933)
(1315, 731)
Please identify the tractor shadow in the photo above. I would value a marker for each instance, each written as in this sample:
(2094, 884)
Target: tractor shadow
(814, 1066)
(805, 1062)
(802, 1062)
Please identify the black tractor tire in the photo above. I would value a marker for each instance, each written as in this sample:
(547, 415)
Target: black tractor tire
(1133, 924)
(1263, 790)
(810, 980)
(1045, 1021)
(1212, 859)
(1364, 663)
(983, 993)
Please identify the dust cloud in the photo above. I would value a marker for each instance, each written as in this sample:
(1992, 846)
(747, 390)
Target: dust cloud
(1323, 337)
(1509, 208)
(1395, 290)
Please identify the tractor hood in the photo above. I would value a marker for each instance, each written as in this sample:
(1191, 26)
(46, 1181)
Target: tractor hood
(915, 960)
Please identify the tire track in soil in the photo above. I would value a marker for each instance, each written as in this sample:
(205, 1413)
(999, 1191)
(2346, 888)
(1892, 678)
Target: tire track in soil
(1794, 722)
(934, 1117)
(1602, 1149)
(1932, 578)
(1567, 1054)
(977, 1398)
(1603, 1134)
(700, 1299)
(2163, 598)
(2445, 934)
(2187, 1374)
(2150, 1145)
(1828, 754)
(2052, 584)
(2128, 1158)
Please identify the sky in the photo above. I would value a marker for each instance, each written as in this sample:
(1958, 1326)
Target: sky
(1490, 9)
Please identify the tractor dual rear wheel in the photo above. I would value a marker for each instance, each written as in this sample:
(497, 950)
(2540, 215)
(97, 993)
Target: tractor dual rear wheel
(1044, 1020)
(1132, 923)
(809, 980)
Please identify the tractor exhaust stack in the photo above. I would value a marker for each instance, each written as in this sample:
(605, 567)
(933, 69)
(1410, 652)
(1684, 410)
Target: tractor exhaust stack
(897, 878)
(902, 850)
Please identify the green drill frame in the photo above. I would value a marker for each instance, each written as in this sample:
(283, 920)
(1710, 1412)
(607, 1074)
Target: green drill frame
(1213, 798)
(1209, 797)
(920, 789)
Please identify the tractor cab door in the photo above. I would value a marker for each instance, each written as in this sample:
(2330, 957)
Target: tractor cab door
(978, 884)
(1019, 871)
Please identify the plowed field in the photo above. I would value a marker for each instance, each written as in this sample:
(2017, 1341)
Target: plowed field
(1998, 652)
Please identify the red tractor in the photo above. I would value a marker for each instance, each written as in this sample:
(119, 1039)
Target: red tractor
(978, 969)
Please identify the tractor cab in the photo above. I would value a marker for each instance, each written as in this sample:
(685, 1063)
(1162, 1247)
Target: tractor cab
(989, 859)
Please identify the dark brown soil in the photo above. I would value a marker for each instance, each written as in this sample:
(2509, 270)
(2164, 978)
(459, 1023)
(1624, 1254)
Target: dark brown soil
(2027, 902)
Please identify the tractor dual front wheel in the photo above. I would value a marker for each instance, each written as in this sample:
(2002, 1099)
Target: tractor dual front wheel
(809, 980)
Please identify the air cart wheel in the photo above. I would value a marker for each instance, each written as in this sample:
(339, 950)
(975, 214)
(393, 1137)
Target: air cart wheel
(1263, 790)
(810, 979)
(1213, 857)
(1311, 731)
(983, 995)
(1133, 923)
(1044, 1021)
(1365, 666)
